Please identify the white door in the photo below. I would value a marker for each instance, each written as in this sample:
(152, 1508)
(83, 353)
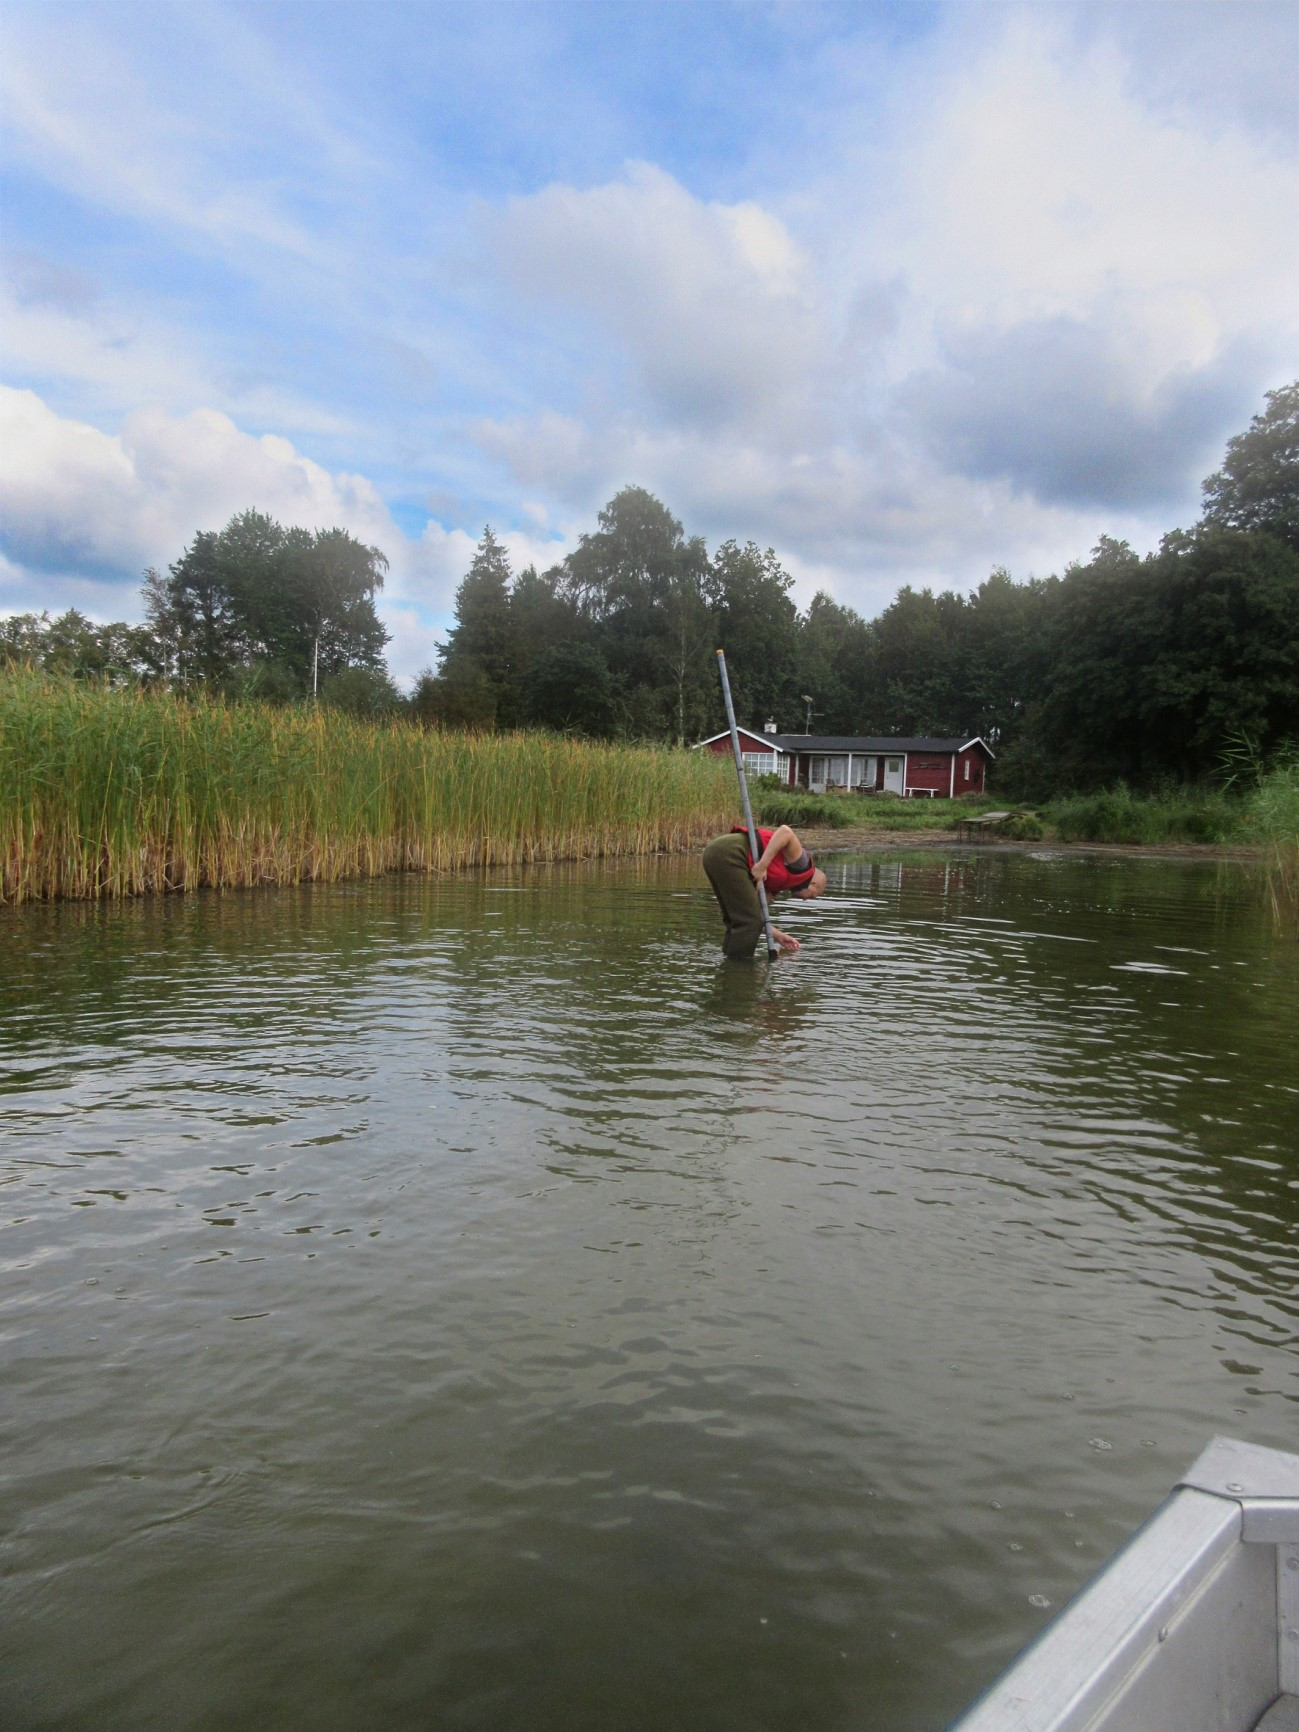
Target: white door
(894, 775)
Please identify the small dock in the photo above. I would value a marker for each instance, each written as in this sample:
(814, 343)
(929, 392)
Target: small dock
(977, 829)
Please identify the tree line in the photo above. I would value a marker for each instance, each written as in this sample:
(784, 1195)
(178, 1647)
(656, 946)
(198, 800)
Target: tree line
(1141, 668)
(1145, 669)
(253, 610)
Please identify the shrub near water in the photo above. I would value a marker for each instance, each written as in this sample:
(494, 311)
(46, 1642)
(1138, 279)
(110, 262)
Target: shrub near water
(112, 793)
(1273, 809)
(883, 812)
(1119, 815)
(789, 806)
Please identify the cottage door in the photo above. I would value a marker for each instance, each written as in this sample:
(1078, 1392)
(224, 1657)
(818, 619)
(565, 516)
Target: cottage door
(894, 775)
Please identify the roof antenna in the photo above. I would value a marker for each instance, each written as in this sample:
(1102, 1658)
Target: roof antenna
(807, 724)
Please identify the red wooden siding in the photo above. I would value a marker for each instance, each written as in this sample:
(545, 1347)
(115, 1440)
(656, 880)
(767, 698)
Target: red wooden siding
(971, 768)
(748, 743)
(926, 772)
(929, 771)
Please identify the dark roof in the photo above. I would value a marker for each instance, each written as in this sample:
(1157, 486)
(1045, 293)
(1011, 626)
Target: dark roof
(874, 743)
(865, 743)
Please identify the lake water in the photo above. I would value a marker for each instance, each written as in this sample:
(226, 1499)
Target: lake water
(471, 1303)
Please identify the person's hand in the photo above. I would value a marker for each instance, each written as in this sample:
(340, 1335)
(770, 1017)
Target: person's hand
(757, 871)
(789, 945)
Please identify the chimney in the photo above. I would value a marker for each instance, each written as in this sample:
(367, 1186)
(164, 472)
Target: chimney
(769, 727)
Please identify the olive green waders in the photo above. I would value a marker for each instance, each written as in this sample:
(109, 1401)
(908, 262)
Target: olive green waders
(726, 861)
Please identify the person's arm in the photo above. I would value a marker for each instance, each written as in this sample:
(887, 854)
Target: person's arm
(785, 942)
(783, 841)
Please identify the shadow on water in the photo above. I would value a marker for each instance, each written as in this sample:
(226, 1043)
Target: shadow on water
(470, 1302)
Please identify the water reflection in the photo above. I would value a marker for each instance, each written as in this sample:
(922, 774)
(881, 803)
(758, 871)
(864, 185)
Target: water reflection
(471, 1302)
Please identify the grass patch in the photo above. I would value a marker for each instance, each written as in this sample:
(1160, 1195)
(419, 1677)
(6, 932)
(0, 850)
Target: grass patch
(812, 811)
(1119, 815)
(1273, 814)
(114, 793)
(882, 812)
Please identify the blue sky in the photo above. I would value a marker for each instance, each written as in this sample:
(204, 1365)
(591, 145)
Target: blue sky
(904, 291)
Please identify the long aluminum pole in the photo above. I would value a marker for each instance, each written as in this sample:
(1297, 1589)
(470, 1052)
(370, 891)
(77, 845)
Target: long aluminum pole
(755, 851)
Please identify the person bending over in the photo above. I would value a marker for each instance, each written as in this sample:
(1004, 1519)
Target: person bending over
(783, 866)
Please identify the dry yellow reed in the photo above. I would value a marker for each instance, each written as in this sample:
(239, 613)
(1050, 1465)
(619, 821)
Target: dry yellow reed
(107, 793)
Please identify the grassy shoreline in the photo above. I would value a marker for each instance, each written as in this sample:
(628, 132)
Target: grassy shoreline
(1266, 813)
(108, 793)
(1260, 821)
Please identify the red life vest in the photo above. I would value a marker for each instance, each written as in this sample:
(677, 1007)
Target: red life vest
(779, 877)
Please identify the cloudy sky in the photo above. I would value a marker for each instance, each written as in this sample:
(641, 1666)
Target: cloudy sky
(902, 290)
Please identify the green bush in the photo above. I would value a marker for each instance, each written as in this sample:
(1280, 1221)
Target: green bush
(789, 806)
(1273, 808)
(1118, 815)
(1024, 827)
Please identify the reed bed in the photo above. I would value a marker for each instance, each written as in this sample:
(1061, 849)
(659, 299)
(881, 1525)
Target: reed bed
(108, 793)
(1274, 815)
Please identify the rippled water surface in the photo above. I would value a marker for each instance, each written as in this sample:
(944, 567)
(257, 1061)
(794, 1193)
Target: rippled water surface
(473, 1304)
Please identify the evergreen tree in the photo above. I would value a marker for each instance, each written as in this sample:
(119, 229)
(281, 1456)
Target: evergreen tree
(483, 634)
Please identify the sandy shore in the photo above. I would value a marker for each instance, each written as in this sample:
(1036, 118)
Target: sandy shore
(862, 838)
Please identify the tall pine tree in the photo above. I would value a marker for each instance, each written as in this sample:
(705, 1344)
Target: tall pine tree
(483, 635)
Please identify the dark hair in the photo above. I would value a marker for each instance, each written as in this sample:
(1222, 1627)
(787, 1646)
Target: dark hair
(802, 870)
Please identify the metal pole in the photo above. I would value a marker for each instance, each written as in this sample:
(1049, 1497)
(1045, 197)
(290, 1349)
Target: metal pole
(744, 798)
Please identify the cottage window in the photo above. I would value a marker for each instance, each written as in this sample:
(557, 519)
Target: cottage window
(967, 769)
(759, 763)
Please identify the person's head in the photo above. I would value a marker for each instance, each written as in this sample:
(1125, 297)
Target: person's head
(813, 888)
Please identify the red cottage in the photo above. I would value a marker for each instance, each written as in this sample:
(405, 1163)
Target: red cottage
(929, 769)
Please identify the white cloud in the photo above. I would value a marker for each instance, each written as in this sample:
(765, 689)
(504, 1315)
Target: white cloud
(1031, 315)
(1021, 300)
(102, 122)
(712, 302)
(1038, 184)
(857, 519)
(73, 496)
(62, 332)
(80, 508)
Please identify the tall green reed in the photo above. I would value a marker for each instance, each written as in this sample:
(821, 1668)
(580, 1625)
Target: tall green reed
(1273, 809)
(114, 793)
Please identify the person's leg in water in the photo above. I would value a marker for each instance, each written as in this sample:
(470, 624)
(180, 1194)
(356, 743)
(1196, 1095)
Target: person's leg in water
(726, 861)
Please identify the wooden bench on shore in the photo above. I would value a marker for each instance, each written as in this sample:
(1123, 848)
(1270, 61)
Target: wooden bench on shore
(978, 827)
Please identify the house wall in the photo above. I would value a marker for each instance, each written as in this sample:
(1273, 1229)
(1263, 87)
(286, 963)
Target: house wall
(929, 772)
(971, 771)
(925, 770)
(748, 743)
